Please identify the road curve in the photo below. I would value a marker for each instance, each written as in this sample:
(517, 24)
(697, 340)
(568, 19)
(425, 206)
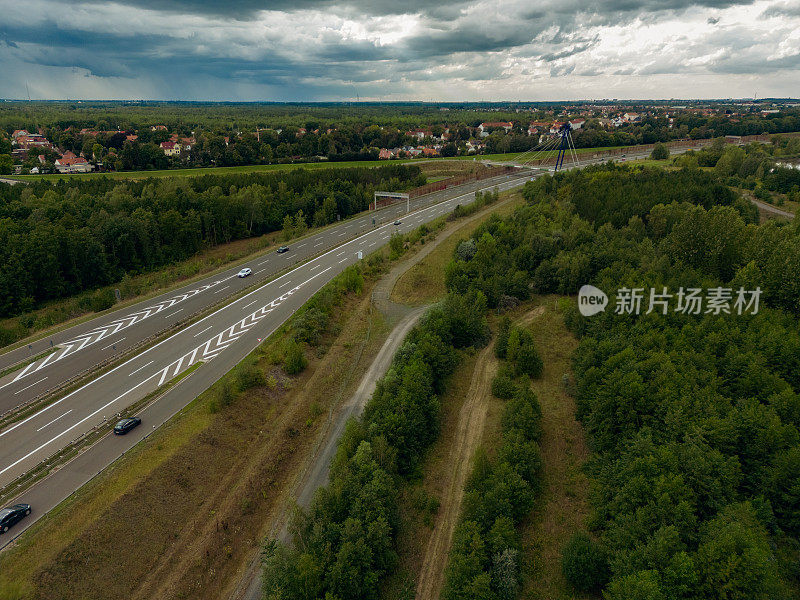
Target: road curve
(81, 348)
(219, 340)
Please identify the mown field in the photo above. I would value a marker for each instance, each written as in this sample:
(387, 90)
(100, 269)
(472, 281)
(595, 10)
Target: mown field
(277, 167)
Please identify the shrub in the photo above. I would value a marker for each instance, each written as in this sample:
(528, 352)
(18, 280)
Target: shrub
(351, 280)
(294, 361)
(523, 413)
(584, 563)
(103, 299)
(249, 376)
(501, 345)
(660, 152)
(522, 354)
(223, 397)
(503, 386)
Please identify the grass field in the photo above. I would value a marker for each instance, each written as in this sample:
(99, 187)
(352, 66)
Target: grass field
(203, 171)
(280, 167)
(424, 282)
(563, 506)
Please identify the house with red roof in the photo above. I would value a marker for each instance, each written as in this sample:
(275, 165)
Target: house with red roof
(171, 148)
(69, 163)
(484, 128)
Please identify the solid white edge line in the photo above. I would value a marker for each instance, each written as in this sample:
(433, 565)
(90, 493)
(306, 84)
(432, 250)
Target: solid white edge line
(227, 306)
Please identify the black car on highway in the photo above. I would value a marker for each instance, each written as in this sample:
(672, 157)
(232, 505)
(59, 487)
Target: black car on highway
(283, 249)
(125, 425)
(13, 514)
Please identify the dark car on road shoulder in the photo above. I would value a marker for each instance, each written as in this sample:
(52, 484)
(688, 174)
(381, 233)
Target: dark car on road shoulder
(125, 425)
(283, 249)
(11, 515)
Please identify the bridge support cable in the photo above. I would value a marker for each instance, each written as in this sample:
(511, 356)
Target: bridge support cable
(544, 152)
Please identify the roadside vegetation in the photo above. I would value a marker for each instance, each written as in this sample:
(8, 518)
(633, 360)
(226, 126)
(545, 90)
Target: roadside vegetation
(344, 544)
(229, 461)
(74, 239)
(692, 420)
(249, 431)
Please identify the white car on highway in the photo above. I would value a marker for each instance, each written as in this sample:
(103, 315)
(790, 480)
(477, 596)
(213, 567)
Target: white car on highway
(244, 272)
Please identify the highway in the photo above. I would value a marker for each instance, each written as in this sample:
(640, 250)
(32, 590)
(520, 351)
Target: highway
(219, 340)
(82, 348)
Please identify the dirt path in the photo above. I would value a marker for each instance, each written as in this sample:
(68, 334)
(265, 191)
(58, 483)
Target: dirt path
(315, 473)
(470, 429)
(318, 473)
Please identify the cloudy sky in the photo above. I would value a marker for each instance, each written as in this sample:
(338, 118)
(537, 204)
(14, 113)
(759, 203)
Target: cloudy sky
(445, 50)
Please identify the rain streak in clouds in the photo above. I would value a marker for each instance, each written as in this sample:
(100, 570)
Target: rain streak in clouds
(382, 50)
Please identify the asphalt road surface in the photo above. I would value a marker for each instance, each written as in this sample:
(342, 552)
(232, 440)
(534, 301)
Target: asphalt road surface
(81, 348)
(219, 340)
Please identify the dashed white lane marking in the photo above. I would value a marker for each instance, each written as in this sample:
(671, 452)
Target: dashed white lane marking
(112, 344)
(317, 244)
(30, 386)
(280, 287)
(221, 289)
(317, 266)
(66, 431)
(172, 314)
(54, 420)
(150, 363)
(245, 306)
(343, 233)
(343, 260)
(202, 332)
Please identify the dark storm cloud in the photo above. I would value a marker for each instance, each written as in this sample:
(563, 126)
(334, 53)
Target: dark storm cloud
(783, 10)
(445, 9)
(321, 49)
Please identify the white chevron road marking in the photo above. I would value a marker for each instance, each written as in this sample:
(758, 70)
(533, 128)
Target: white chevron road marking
(94, 336)
(219, 342)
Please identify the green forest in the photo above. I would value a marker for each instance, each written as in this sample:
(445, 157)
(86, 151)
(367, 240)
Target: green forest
(57, 240)
(693, 419)
(755, 167)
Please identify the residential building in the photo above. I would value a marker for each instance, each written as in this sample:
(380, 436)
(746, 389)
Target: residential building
(171, 148)
(484, 128)
(69, 163)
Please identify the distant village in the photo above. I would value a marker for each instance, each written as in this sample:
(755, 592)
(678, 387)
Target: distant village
(47, 150)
